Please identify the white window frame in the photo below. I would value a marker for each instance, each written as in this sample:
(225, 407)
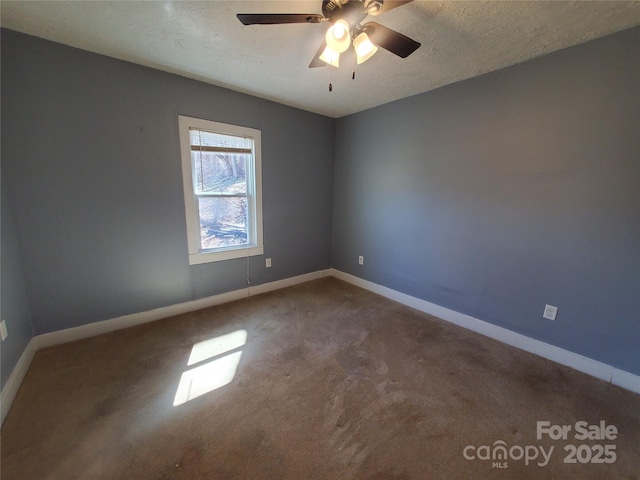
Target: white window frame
(254, 244)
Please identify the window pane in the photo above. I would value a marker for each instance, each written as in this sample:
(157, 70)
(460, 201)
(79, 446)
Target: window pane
(223, 222)
(219, 172)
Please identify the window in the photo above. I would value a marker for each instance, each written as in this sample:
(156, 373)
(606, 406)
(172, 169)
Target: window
(222, 190)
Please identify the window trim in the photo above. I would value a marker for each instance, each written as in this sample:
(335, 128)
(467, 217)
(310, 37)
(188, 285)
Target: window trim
(255, 244)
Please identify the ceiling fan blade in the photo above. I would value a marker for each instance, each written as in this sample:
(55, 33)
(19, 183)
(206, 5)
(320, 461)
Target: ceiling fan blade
(388, 5)
(390, 39)
(316, 62)
(278, 18)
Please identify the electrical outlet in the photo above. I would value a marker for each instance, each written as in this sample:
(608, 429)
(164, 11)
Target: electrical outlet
(3, 329)
(268, 262)
(550, 312)
(361, 260)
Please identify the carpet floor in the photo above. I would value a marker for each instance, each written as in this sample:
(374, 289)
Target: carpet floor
(318, 381)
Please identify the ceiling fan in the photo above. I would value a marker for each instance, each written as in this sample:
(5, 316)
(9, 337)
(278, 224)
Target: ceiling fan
(345, 17)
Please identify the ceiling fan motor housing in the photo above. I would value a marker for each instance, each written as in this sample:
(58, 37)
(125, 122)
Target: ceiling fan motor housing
(353, 12)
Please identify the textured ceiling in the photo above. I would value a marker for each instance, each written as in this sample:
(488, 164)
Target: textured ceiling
(205, 41)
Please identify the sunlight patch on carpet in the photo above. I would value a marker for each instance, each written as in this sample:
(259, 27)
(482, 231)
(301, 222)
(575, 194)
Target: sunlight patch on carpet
(217, 346)
(214, 374)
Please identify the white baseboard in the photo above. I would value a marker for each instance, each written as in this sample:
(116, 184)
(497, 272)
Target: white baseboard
(584, 364)
(126, 321)
(67, 335)
(625, 380)
(14, 381)
(620, 378)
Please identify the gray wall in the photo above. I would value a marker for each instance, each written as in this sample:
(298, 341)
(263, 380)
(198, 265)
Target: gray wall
(500, 194)
(14, 305)
(91, 155)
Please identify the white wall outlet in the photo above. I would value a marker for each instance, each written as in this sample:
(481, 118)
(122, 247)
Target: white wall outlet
(550, 312)
(361, 260)
(3, 329)
(268, 262)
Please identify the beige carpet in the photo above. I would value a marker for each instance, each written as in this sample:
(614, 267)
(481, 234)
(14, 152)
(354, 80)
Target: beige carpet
(319, 381)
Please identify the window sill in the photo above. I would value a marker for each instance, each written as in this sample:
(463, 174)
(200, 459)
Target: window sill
(220, 255)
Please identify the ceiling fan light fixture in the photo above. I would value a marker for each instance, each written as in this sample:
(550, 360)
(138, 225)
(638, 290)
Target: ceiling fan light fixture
(338, 37)
(331, 57)
(364, 48)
